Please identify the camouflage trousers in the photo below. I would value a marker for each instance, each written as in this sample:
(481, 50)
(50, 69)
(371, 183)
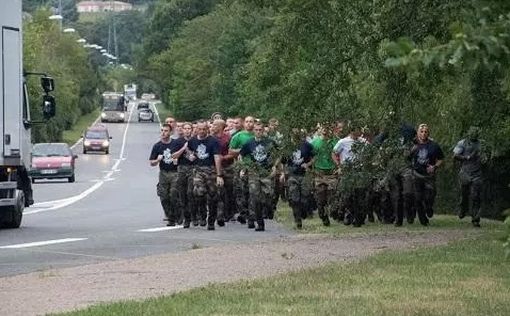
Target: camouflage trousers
(242, 194)
(299, 195)
(227, 202)
(425, 195)
(168, 192)
(261, 190)
(189, 209)
(325, 184)
(205, 193)
(471, 190)
(402, 196)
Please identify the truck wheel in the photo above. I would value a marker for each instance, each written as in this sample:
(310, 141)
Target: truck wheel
(84, 151)
(33, 180)
(107, 151)
(16, 213)
(71, 178)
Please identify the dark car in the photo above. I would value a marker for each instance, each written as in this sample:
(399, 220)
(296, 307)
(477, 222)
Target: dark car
(145, 115)
(142, 105)
(96, 138)
(52, 161)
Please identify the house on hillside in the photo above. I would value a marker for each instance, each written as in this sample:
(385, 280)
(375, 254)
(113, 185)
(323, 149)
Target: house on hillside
(103, 6)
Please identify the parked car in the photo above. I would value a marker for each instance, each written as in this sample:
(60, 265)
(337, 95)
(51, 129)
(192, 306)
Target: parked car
(145, 115)
(96, 138)
(52, 161)
(142, 105)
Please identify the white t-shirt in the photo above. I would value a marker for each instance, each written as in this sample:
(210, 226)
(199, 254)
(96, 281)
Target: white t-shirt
(344, 148)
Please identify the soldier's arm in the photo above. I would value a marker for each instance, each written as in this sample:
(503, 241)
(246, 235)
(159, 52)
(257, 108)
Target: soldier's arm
(178, 153)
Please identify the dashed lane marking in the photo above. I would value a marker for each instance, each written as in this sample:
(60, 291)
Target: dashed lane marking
(159, 229)
(42, 243)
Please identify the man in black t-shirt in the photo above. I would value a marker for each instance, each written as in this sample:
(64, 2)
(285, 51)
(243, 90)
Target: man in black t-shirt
(207, 175)
(426, 156)
(167, 188)
(260, 178)
(299, 180)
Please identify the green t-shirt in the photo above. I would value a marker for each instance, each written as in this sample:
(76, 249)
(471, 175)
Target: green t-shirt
(239, 139)
(322, 150)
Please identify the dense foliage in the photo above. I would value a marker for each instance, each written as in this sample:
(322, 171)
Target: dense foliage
(47, 49)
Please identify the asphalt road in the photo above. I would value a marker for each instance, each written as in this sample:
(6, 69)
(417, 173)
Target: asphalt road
(111, 212)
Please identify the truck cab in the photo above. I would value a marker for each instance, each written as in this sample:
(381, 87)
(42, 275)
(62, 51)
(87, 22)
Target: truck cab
(15, 122)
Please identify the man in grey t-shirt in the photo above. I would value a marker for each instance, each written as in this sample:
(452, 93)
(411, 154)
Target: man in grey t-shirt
(468, 152)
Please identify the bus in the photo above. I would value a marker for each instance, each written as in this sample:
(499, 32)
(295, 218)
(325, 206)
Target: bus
(114, 107)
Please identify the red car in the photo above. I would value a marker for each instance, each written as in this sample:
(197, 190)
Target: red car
(52, 161)
(96, 138)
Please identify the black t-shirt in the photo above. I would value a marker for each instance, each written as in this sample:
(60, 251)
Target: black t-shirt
(166, 149)
(426, 155)
(300, 156)
(258, 151)
(184, 158)
(204, 150)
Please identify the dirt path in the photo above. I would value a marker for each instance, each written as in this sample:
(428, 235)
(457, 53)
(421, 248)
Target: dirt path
(71, 288)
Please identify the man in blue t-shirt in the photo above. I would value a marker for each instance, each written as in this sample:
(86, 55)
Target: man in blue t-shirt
(299, 178)
(257, 152)
(167, 188)
(426, 156)
(208, 173)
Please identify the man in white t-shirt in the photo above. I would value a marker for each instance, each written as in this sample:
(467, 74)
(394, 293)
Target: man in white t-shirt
(343, 148)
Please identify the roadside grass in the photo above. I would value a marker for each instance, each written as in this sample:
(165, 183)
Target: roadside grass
(71, 136)
(163, 111)
(469, 277)
(438, 222)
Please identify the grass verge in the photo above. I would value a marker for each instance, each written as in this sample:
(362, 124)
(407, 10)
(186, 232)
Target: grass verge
(163, 111)
(438, 222)
(72, 135)
(468, 277)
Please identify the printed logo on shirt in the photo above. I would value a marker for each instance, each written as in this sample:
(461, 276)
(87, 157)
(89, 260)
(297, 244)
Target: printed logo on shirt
(297, 159)
(423, 157)
(202, 152)
(260, 154)
(167, 156)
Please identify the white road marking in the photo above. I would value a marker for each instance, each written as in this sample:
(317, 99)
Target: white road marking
(57, 204)
(42, 243)
(157, 114)
(159, 229)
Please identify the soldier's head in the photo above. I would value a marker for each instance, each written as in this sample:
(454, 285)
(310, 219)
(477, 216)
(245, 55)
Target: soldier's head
(355, 132)
(238, 123)
(201, 129)
(187, 129)
(249, 123)
(273, 125)
(229, 124)
(178, 128)
(473, 133)
(218, 126)
(171, 121)
(258, 130)
(166, 130)
(423, 132)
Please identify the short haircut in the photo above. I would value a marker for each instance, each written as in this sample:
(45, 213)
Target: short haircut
(167, 125)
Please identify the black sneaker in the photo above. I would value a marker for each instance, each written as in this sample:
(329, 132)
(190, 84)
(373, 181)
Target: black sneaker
(202, 222)
(221, 223)
(186, 224)
(476, 224)
(462, 214)
(241, 219)
(299, 225)
(430, 213)
(398, 224)
(195, 222)
(210, 227)
(251, 224)
(325, 221)
(170, 223)
(260, 228)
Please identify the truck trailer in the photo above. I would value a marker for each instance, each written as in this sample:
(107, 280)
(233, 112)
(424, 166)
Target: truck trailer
(15, 122)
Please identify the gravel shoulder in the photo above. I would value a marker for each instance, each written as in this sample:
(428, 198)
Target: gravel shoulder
(67, 289)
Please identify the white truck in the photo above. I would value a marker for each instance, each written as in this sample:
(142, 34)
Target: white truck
(130, 91)
(15, 123)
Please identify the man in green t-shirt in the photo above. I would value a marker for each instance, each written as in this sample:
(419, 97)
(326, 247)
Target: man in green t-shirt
(325, 175)
(241, 189)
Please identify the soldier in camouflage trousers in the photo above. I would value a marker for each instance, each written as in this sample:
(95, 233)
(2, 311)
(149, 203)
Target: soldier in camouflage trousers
(167, 190)
(299, 181)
